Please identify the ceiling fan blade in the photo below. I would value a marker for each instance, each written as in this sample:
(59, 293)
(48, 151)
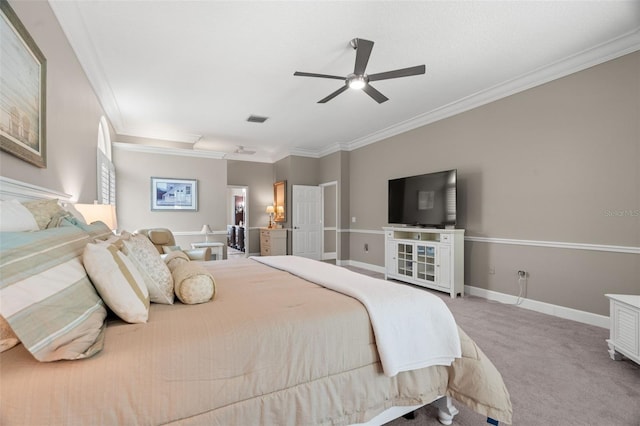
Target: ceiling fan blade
(310, 74)
(377, 96)
(333, 95)
(404, 72)
(363, 51)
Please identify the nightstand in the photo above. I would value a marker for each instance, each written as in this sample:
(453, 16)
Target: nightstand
(273, 242)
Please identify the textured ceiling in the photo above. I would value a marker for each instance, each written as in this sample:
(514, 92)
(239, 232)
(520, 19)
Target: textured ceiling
(192, 72)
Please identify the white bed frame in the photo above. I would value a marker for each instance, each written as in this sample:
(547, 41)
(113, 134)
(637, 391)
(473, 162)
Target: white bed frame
(14, 189)
(22, 191)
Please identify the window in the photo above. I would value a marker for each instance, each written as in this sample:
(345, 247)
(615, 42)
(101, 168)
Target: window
(106, 177)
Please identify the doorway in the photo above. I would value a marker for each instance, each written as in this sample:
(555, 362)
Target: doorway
(237, 221)
(330, 234)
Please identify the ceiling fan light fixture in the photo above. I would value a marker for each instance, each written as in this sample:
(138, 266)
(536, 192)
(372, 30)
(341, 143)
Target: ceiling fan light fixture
(356, 82)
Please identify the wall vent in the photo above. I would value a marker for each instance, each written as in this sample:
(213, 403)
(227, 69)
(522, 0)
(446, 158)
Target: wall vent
(257, 119)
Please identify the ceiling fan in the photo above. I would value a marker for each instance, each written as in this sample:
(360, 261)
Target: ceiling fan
(241, 150)
(358, 79)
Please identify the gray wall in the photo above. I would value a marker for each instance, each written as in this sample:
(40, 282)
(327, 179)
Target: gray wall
(133, 176)
(551, 164)
(547, 164)
(73, 113)
(259, 178)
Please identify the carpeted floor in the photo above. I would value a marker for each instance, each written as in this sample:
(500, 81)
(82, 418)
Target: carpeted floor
(557, 371)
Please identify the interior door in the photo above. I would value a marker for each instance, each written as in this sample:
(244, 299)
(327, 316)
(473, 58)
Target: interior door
(307, 222)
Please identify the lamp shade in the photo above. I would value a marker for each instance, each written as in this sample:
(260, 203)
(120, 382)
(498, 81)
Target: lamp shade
(206, 229)
(270, 209)
(99, 212)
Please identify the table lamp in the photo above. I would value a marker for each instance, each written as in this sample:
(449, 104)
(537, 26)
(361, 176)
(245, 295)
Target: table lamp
(270, 211)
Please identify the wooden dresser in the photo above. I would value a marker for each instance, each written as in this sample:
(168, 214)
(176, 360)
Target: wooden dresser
(273, 242)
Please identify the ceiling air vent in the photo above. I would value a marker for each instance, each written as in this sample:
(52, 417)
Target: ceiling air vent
(257, 119)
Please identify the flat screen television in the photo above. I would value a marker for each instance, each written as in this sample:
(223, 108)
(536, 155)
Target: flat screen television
(427, 200)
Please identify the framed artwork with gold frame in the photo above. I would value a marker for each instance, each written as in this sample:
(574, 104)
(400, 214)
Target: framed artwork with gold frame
(22, 92)
(280, 200)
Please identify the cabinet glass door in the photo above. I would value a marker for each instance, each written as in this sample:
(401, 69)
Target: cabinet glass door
(426, 263)
(405, 259)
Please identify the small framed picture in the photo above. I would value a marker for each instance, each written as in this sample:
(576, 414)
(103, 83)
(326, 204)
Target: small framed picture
(174, 194)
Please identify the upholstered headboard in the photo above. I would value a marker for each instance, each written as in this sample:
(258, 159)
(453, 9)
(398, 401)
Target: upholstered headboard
(14, 189)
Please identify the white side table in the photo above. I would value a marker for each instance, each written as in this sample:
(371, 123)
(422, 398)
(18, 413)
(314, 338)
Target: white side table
(216, 249)
(624, 337)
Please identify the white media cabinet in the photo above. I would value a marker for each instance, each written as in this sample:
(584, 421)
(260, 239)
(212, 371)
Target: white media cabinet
(432, 258)
(624, 333)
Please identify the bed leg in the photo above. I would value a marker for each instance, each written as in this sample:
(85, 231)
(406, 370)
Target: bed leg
(446, 410)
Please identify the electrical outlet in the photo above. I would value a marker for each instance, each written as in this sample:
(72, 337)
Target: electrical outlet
(492, 270)
(522, 274)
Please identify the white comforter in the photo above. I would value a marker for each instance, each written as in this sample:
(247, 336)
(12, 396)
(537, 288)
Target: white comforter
(413, 329)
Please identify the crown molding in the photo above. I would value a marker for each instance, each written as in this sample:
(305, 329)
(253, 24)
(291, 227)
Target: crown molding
(149, 149)
(604, 52)
(84, 48)
(72, 19)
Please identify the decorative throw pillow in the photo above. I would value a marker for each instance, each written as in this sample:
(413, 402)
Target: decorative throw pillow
(8, 338)
(157, 276)
(117, 280)
(46, 295)
(193, 284)
(43, 210)
(175, 259)
(14, 217)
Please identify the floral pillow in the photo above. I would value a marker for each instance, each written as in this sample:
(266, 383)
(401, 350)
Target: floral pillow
(157, 277)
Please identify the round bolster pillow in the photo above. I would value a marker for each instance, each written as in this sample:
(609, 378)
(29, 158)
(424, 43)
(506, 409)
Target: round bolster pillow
(193, 284)
(175, 259)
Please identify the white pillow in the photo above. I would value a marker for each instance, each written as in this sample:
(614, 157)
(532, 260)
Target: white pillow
(117, 280)
(14, 217)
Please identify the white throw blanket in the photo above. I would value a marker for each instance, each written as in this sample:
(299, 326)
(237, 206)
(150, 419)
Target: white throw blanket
(413, 329)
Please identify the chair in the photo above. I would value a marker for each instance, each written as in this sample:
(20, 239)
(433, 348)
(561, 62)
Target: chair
(163, 240)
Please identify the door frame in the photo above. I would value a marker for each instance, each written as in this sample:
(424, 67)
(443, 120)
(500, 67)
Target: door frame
(323, 186)
(231, 204)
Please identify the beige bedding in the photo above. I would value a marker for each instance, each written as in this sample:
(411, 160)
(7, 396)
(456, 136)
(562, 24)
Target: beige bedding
(269, 349)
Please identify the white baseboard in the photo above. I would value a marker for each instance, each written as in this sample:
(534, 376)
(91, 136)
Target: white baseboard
(356, 264)
(329, 256)
(543, 307)
(534, 305)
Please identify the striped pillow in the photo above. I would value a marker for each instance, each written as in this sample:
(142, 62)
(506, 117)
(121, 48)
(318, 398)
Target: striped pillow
(46, 295)
(117, 280)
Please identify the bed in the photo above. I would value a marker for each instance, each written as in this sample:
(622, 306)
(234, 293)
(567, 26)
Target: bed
(270, 348)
